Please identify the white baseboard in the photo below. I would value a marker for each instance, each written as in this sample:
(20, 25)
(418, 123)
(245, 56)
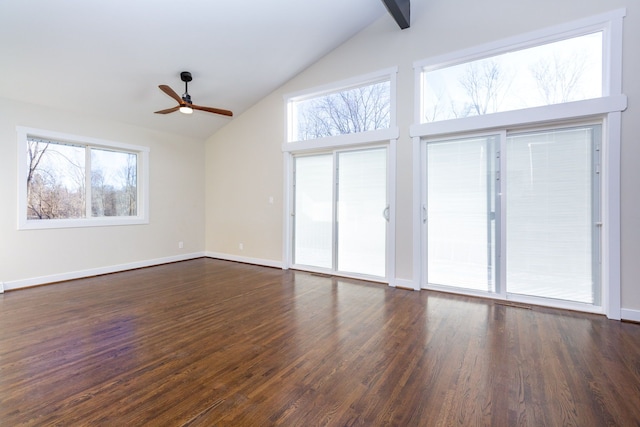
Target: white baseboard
(42, 280)
(406, 284)
(246, 260)
(628, 314)
(1, 288)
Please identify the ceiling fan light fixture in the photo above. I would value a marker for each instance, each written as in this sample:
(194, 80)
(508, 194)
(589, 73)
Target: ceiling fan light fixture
(185, 106)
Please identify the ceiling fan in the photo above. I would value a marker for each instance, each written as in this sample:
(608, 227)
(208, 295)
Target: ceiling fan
(184, 104)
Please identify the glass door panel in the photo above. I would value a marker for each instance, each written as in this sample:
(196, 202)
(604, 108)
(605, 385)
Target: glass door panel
(313, 221)
(461, 234)
(550, 215)
(362, 206)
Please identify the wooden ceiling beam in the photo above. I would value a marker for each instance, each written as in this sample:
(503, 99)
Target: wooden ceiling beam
(400, 10)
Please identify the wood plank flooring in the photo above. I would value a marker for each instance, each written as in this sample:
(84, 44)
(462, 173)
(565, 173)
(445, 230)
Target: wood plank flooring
(214, 343)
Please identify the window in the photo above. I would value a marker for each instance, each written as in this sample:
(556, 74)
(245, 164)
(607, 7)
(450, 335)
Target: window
(356, 106)
(553, 73)
(69, 181)
(359, 109)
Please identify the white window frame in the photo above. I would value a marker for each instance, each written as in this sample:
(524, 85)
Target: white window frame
(608, 109)
(142, 153)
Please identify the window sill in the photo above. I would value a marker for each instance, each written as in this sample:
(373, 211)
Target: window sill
(352, 139)
(39, 224)
(567, 111)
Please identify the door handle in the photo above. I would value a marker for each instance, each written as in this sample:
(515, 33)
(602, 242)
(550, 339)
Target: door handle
(385, 213)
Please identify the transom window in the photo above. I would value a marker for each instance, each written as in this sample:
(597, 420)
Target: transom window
(355, 106)
(552, 73)
(69, 182)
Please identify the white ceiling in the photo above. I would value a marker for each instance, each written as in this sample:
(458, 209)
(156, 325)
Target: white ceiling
(107, 57)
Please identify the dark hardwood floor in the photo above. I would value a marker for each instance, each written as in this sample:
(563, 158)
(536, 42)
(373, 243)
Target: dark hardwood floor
(214, 343)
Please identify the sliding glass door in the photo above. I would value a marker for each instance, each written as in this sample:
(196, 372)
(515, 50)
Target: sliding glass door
(532, 231)
(341, 211)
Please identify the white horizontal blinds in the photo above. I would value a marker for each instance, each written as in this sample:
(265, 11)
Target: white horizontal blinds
(461, 213)
(550, 223)
(362, 202)
(313, 221)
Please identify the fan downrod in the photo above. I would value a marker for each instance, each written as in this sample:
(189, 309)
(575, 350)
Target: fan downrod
(185, 76)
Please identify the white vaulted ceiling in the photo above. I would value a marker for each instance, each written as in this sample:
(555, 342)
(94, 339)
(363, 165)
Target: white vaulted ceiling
(107, 57)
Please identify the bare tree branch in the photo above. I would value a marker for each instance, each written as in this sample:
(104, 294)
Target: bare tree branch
(557, 78)
(355, 110)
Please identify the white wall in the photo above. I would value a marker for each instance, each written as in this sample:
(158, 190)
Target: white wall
(244, 170)
(244, 164)
(176, 205)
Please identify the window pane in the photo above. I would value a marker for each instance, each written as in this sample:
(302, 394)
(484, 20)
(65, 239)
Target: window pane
(313, 211)
(461, 213)
(550, 222)
(362, 200)
(554, 73)
(359, 109)
(113, 183)
(55, 180)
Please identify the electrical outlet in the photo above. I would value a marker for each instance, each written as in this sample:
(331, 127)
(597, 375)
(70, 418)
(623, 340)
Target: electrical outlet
(180, 245)
(241, 246)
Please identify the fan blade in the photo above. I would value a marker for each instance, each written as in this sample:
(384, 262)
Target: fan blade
(168, 110)
(212, 110)
(166, 89)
